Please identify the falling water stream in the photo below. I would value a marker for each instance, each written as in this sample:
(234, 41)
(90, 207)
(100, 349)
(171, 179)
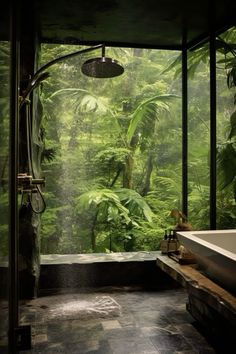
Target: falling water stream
(101, 306)
(73, 307)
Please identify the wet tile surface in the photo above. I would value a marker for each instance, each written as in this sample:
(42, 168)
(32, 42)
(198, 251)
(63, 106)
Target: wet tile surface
(147, 322)
(99, 257)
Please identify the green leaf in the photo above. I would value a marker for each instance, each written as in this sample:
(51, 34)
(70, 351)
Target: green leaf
(174, 64)
(148, 111)
(105, 203)
(69, 90)
(229, 62)
(233, 126)
(226, 165)
(231, 78)
(135, 203)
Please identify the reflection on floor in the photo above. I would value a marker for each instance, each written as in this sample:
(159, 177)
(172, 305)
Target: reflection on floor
(113, 320)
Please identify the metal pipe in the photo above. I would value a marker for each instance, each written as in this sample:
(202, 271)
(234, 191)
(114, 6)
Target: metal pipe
(13, 170)
(36, 78)
(67, 56)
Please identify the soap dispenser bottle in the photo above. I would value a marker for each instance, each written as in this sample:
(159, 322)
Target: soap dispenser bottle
(172, 242)
(164, 243)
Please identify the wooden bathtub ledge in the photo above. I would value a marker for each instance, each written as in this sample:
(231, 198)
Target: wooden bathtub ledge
(208, 302)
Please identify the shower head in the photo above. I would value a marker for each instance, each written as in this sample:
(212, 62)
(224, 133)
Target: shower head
(102, 67)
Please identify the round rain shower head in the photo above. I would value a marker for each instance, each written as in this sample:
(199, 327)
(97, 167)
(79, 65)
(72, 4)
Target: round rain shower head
(102, 67)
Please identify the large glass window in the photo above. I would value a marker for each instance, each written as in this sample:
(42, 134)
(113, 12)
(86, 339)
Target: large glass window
(226, 129)
(198, 137)
(112, 158)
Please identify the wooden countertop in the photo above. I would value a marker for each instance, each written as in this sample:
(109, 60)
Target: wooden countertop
(200, 286)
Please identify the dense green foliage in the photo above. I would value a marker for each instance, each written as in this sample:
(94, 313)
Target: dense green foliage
(113, 149)
(112, 157)
(199, 131)
(226, 130)
(116, 147)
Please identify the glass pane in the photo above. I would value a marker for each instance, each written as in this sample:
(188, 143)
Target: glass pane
(198, 137)
(226, 131)
(112, 152)
(4, 192)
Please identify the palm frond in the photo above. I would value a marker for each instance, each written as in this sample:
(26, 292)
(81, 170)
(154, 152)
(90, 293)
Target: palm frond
(89, 103)
(106, 204)
(147, 112)
(134, 202)
(174, 64)
(232, 133)
(231, 78)
(68, 91)
(226, 165)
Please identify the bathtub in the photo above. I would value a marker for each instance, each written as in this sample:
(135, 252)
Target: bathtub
(215, 253)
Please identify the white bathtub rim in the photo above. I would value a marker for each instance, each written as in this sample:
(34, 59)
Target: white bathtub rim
(192, 236)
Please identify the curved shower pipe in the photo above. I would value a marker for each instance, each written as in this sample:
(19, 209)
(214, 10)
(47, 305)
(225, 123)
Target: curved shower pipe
(100, 67)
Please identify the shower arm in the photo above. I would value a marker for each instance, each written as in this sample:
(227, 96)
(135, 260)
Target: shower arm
(27, 183)
(41, 75)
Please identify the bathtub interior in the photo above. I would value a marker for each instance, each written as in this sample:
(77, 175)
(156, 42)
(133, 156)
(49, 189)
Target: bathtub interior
(222, 239)
(219, 241)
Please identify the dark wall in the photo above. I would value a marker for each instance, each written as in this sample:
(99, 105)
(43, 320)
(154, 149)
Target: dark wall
(145, 274)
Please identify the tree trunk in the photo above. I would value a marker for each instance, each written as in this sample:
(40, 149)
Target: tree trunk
(128, 173)
(93, 234)
(147, 181)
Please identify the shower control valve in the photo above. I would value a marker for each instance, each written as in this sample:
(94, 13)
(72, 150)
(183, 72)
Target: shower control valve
(26, 183)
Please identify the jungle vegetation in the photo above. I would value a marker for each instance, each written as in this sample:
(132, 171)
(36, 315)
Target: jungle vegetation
(112, 154)
(113, 149)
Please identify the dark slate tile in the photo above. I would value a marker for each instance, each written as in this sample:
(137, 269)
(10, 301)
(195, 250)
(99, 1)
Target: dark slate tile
(98, 347)
(166, 351)
(45, 350)
(211, 351)
(75, 333)
(171, 342)
(103, 348)
(156, 330)
(145, 318)
(127, 321)
(192, 335)
(151, 322)
(133, 346)
(123, 334)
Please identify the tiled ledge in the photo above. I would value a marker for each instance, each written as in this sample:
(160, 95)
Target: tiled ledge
(99, 257)
(102, 269)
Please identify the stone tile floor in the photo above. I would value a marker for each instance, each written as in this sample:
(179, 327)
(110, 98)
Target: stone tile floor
(114, 321)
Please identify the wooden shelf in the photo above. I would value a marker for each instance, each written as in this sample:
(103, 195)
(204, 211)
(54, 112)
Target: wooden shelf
(208, 300)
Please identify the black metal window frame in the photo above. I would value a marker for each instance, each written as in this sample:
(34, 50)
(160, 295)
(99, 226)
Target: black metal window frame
(211, 39)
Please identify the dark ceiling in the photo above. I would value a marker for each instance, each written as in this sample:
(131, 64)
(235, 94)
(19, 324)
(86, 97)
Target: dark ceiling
(140, 23)
(154, 23)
